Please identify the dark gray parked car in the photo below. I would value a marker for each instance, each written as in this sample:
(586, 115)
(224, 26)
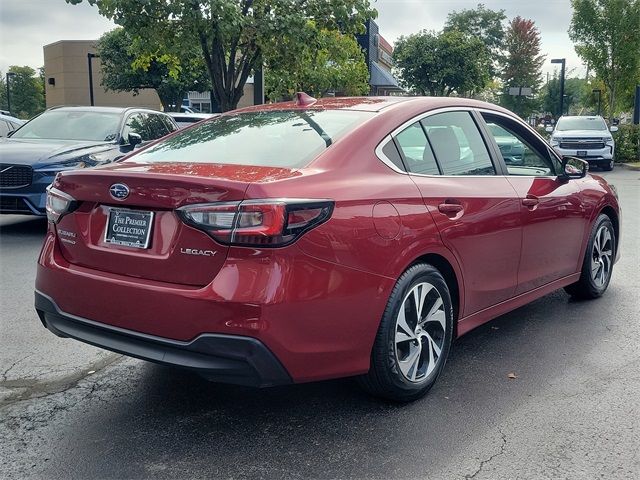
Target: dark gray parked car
(67, 138)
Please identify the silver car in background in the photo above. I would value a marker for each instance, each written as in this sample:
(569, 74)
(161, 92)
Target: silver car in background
(586, 137)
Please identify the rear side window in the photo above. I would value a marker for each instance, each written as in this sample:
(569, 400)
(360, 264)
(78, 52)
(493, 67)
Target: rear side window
(157, 126)
(417, 153)
(288, 139)
(457, 144)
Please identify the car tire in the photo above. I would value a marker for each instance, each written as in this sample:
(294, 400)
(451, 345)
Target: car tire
(597, 266)
(607, 167)
(406, 331)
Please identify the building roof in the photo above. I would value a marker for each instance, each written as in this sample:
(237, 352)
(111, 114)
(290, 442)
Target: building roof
(381, 78)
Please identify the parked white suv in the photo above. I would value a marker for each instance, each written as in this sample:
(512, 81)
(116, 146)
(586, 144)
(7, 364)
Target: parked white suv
(585, 137)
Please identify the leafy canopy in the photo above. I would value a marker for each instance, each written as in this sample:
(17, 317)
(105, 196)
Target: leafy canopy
(440, 64)
(235, 37)
(334, 62)
(26, 89)
(482, 23)
(607, 38)
(522, 64)
(128, 67)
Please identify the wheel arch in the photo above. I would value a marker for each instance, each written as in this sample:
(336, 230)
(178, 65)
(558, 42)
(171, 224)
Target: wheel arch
(451, 277)
(610, 212)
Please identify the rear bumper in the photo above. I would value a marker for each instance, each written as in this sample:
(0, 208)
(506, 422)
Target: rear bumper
(221, 358)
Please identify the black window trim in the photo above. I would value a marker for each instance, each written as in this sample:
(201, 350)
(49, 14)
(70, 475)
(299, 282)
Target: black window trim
(552, 153)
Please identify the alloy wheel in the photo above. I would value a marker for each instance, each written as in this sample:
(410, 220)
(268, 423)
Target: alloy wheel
(601, 256)
(420, 332)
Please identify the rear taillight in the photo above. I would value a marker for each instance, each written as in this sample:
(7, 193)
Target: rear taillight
(58, 204)
(268, 223)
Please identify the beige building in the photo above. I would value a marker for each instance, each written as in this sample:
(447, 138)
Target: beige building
(66, 69)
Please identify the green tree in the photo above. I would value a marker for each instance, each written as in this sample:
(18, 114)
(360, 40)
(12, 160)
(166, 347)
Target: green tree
(234, 36)
(440, 64)
(483, 23)
(522, 65)
(335, 63)
(3, 92)
(607, 37)
(579, 96)
(126, 67)
(27, 92)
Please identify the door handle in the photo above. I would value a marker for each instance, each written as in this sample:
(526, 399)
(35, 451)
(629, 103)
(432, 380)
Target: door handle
(530, 201)
(450, 208)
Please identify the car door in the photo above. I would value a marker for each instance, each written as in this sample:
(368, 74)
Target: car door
(551, 208)
(475, 210)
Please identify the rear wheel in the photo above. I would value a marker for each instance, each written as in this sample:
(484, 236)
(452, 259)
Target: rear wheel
(414, 337)
(597, 266)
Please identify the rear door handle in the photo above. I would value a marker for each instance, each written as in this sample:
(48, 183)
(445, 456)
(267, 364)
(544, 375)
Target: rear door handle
(450, 208)
(530, 201)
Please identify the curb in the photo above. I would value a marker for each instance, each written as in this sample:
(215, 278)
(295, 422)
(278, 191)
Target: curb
(631, 166)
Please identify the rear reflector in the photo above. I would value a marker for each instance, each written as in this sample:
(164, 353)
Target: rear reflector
(267, 223)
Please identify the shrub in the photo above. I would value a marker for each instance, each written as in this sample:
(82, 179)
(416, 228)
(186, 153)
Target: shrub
(627, 143)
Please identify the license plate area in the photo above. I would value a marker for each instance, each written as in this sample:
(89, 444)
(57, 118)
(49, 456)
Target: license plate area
(128, 228)
(581, 153)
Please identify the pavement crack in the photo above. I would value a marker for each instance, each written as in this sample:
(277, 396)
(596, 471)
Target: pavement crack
(503, 445)
(6, 372)
(44, 389)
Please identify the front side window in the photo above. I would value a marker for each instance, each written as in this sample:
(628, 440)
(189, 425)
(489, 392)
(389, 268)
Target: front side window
(137, 123)
(418, 156)
(518, 148)
(72, 125)
(457, 144)
(289, 138)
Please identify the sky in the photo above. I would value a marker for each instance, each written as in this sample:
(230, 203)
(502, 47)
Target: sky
(27, 25)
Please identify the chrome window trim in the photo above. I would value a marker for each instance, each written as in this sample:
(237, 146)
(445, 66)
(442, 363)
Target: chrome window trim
(384, 159)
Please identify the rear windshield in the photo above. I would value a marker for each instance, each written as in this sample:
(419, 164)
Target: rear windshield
(289, 139)
(581, 123)
(72, 125)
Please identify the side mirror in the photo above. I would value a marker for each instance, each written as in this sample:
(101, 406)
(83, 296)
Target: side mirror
(548, 129)
(613, 128)
(573, 167)
(134, 139)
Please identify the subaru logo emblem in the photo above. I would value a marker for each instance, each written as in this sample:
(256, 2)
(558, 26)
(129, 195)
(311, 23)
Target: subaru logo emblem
(119, 191)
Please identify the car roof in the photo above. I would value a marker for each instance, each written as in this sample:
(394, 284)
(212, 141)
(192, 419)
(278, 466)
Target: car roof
(11, 119)
(179, 115)
(590, 117)
(376, 104)
(69, 108)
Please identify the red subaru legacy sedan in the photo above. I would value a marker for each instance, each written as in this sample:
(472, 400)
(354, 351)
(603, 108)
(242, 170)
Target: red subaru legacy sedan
(319, 239)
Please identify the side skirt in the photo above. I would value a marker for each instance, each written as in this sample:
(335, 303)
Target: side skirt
(474, 320)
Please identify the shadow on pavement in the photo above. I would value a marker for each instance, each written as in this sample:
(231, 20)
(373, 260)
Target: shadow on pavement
(165, 423)
(22, 225)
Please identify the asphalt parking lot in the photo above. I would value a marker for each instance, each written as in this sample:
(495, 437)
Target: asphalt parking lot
(69, 410)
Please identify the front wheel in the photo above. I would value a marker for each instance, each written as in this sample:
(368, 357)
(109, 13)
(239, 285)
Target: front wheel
(414, 337)
(597, 265)
(607, 167)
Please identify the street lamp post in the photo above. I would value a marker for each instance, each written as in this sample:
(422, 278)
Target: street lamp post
(89, 57)
(8, 76)
(563, 62)
(599, 92)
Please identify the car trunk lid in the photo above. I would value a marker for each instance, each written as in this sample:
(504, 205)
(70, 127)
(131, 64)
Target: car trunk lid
(174, 251)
